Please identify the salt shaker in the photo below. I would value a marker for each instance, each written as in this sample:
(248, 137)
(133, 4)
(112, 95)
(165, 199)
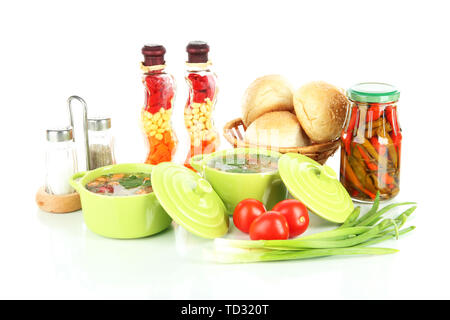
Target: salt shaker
(60, 161)
(101, 145)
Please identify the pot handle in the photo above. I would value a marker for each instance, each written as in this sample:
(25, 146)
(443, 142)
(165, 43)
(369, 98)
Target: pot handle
(196, 162)
(73, 180)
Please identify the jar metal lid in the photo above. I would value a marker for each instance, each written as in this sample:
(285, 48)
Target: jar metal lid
(373, 92)
(59, 134)
(99, 124)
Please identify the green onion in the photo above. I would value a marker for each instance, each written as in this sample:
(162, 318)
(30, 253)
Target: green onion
(337, 233)
(351, 238)
(350, 222)
(372, 210)
(257, 256)
(301, 243)
(387, 236)
(369, 219)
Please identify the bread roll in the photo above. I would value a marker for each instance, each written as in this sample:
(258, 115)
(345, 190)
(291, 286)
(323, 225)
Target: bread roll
(321, 110)
(276, 129)
(266, 94)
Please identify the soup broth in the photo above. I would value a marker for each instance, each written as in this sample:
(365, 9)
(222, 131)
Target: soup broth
(121, 184)
(244, 163)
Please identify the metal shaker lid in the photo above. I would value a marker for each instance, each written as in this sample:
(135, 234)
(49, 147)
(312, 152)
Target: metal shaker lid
(99, 124)
(59, 134)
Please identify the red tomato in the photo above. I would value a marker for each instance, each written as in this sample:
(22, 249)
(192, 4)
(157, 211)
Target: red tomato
(269, 226)
(296, 216)
(245, 212)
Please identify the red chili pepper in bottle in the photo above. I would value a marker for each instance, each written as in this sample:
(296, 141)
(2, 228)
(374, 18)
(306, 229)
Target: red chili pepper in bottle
(347, 134)
(200, 104)
(374, 112)
(367, 161)
(157, 111)
(396, 134)
(381, 149)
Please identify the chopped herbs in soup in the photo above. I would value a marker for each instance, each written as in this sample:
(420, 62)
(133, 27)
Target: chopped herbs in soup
(244, 163)
(121, 184)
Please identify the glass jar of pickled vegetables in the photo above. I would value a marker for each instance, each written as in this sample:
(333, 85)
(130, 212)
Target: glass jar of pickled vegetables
(202, 98)
(157, 111)
(371, 142)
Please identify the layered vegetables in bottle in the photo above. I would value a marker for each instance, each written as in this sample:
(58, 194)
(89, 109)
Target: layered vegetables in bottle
(157, 111)
(199, 107)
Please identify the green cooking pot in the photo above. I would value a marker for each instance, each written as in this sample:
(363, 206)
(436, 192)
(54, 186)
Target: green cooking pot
(234, 187)
(121, 217)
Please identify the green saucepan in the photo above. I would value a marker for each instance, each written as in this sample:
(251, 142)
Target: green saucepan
(232, 188)
(121, 217)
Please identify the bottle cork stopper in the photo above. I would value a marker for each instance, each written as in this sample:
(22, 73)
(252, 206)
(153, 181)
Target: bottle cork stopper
(197, 52)
(153, 55)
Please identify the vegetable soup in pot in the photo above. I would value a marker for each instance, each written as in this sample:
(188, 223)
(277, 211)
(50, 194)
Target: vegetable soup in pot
(121, 184)
(244, 163)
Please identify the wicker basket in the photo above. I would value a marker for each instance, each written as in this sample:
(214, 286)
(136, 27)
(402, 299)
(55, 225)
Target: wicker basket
(234, 130)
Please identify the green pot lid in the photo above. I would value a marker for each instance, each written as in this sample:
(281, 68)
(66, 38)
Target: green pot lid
(190, 200)
(373, 92)
(316, 186)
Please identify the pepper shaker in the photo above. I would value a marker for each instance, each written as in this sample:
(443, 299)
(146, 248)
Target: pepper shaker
(101, 144)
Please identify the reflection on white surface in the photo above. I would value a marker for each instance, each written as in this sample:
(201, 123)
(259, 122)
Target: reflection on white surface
(187, 245)
(56, 256)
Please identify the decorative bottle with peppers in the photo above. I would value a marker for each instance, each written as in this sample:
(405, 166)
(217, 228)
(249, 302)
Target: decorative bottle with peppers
(157, 111)
(371, 143)
(200, 104)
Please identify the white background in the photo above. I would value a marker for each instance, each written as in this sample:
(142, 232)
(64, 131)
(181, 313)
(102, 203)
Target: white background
(50, 50)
